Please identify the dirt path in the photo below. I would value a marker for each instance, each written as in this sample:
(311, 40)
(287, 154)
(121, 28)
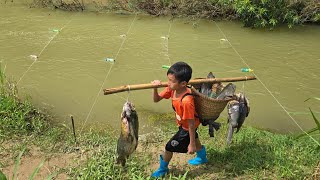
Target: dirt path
(31, 159)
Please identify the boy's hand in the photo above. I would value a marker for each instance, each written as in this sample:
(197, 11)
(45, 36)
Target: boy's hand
(156, 97)
(191, 148)
(156, 82)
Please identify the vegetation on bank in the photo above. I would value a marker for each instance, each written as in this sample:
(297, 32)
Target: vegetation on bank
(253, 13)
(254, 154)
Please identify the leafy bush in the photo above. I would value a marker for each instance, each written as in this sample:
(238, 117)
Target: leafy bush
(265, 13)
(254, 13)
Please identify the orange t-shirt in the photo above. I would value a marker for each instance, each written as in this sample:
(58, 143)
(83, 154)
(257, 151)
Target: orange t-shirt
(185, 109)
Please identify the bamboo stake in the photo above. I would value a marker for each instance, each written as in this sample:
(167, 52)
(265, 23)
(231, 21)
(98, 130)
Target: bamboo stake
(165, 84)
(73, 129)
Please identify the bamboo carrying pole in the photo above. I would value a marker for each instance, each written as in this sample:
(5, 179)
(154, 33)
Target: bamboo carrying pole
(165, 84)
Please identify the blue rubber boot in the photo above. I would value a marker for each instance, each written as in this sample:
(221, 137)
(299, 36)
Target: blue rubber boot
(201, 157)
(163, 169)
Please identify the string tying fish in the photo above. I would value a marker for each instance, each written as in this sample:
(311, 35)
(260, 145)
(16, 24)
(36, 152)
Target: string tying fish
(244, 84)
(128, 92)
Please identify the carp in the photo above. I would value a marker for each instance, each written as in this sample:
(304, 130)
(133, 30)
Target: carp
(206, 87)
(216, 89)
(128, 140)
(227, 92)
(238, 110)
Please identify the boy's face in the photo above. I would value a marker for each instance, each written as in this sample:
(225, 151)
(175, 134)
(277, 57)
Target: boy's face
(174, 84)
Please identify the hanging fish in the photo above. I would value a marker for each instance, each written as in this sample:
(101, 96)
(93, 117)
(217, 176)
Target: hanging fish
(216, 89)
(244, 108)
(228, 91)
(128, 140)
(233, 117)
(206, 87)
(238, 110)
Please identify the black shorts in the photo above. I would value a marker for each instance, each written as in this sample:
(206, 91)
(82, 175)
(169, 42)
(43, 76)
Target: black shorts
(180, 141)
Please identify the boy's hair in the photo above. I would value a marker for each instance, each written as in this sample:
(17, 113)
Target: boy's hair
(181, 70)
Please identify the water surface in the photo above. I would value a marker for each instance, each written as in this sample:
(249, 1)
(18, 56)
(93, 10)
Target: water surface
(71, 71)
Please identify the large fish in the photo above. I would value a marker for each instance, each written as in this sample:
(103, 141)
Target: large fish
(238, 110)
(244, 108)
(233, 117)
(227, 92)
(216, 89)
(206, 87)
(128, 140)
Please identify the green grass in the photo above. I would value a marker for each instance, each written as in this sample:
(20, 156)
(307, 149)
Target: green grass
(101, 148)
(253, 154)
(259, 154)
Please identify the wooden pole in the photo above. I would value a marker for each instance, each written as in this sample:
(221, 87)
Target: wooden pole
(165, 84)
(73, 129)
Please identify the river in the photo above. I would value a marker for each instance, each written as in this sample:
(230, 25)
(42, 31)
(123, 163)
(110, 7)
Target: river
(71, 70)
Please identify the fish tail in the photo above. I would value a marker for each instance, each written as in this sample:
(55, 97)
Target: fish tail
(237, 130)
(230, 133)
(121, 160)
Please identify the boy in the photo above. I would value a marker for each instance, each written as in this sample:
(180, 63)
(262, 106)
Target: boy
(186, 139)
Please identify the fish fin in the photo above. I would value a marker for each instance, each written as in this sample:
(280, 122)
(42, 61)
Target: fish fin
(211, 75)
(121, 161)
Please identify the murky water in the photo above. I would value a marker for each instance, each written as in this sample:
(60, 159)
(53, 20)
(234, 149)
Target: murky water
(71, 71)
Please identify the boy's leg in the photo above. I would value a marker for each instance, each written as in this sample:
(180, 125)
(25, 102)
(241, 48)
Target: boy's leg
(178, 143)
(167, 155)
(198, 144)
(201, 157)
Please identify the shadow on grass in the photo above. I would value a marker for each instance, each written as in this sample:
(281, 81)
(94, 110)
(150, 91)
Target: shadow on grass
(235, 160)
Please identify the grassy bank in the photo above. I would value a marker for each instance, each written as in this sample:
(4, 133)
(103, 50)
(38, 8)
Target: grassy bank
(28, 136)
(253, 13)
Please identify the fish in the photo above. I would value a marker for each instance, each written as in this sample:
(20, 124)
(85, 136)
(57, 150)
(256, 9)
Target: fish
(227, 92)
(128, 140)
(233, 117)
(206, 87)
(238, 110)
(244, 108)
(216, 89)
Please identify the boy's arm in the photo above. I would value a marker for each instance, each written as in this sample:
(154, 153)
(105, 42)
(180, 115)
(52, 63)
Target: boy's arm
(192, 132)
(156, 97)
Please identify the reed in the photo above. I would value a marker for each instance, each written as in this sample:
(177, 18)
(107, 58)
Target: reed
(314, 132)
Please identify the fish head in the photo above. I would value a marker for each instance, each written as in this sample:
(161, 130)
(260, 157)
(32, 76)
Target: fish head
(127, 110)
(227, 92)
(129, 119)
(230, 89)
(217, 87)
(242, 98)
